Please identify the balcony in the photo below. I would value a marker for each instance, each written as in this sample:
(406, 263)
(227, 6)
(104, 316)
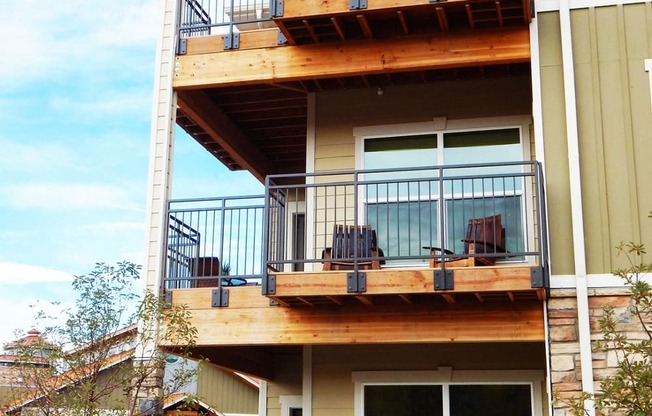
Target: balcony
(420, 226)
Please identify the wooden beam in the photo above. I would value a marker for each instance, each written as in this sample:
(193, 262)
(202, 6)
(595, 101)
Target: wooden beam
(249, 320)
(365, 57)
(364, 25)
(404, 23)
(339, 27)
(206, 114)
(442, 18)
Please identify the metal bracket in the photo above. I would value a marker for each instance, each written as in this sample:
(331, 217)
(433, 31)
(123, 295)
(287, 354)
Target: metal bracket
(272, 302)
(182, 47)
(356, 282)
(281, 39)
(436, 1)
(167, 296)
(269, 285)
(231, 41)
(278, 9)
(537, 276)
(219, 298)
(443, 279)
(357, 4)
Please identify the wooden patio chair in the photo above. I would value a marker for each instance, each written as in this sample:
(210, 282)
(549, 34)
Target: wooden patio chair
(345, 247)
(483, 235)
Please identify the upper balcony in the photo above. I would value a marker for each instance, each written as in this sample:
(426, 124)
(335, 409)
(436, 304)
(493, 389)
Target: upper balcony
(244, 71)
(452, 234)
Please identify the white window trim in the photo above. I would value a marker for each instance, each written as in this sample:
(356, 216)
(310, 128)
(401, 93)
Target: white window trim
(447, 376)
(440, 126)
(289, 402)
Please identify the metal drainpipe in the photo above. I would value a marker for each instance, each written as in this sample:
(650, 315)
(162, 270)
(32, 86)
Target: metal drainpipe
(576, 204)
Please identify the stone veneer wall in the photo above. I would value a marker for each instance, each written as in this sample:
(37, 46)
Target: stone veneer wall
(565, 365)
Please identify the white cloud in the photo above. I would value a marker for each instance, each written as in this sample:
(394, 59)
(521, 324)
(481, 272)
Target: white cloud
(33, 158)
(45, 38)
(61, 196)
(24, 274)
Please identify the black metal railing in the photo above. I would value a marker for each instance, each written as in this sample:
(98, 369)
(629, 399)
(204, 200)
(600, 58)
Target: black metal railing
(415, 217)
(226, 17)
(401, 214)
(214, 242)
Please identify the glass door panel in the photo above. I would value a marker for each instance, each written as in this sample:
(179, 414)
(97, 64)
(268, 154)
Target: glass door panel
(490, 400)
(403, 400)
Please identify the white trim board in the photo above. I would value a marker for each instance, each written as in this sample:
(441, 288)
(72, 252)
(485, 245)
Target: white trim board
(594, 281)
(648, 68)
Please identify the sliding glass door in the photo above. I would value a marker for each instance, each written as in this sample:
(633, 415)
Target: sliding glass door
(414, 205)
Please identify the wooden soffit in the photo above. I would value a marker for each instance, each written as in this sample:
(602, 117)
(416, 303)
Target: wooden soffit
(414, 53)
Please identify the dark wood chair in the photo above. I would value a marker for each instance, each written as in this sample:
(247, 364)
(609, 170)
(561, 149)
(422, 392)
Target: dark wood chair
(350, 242)
(483, 236)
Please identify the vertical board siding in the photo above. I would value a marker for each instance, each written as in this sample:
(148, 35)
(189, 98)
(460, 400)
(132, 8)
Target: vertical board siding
(614, 120)
(614, 126)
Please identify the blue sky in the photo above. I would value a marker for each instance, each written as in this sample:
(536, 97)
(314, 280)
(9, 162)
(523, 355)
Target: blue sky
(75, 107)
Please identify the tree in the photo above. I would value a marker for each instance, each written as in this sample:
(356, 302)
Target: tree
(628, 388)
(90, 365)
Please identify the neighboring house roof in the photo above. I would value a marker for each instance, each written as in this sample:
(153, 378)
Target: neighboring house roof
(177, 400)
(69, 378)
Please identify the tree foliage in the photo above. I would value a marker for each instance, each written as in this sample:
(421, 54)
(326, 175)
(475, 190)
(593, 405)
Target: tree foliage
(93, 359)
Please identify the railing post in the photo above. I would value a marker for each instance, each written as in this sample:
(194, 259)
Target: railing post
(267, 287)
(356, 280)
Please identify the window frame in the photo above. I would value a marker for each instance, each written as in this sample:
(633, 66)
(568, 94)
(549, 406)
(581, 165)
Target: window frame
(440, 126)
(446, 376)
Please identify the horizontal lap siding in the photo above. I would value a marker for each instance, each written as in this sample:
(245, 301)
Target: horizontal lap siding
(333, 366)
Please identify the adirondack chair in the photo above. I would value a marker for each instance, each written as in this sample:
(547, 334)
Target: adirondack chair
(346, 246)
(483, 235)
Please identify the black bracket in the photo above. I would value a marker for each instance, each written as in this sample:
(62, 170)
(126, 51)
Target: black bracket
(167, 296)
(436, 1)
(443, 279)
(182, 47)
(537, 276)
(219, 298)
(269, 285)
(281, 39)
(278, 9)
(356, 282)
(357, 4)
(231, 41)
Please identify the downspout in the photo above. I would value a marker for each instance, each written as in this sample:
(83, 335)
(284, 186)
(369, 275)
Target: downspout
(579, 249)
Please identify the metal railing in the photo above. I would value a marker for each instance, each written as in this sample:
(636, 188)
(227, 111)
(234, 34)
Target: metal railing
(408, 211)
(413, 211)
(213, 17)
(214, 242)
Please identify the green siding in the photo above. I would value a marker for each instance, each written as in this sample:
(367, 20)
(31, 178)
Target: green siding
(614, 126)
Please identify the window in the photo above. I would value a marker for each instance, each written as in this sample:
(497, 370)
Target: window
(418, 206)
(448, 393)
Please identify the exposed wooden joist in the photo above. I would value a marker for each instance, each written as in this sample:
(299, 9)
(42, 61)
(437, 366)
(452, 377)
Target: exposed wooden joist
(499, 13)
(365, 300)
(327, 60)
(310, 30)
(441, 17)
(203, 111)
(469, 15)
(339, 27)
(404, 23)
(364, 25)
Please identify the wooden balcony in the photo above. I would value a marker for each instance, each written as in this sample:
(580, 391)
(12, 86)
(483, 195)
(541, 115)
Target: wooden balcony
(247, 102)
(263, 241)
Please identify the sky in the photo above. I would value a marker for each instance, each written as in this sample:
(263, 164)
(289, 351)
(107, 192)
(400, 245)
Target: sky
(76, 82)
